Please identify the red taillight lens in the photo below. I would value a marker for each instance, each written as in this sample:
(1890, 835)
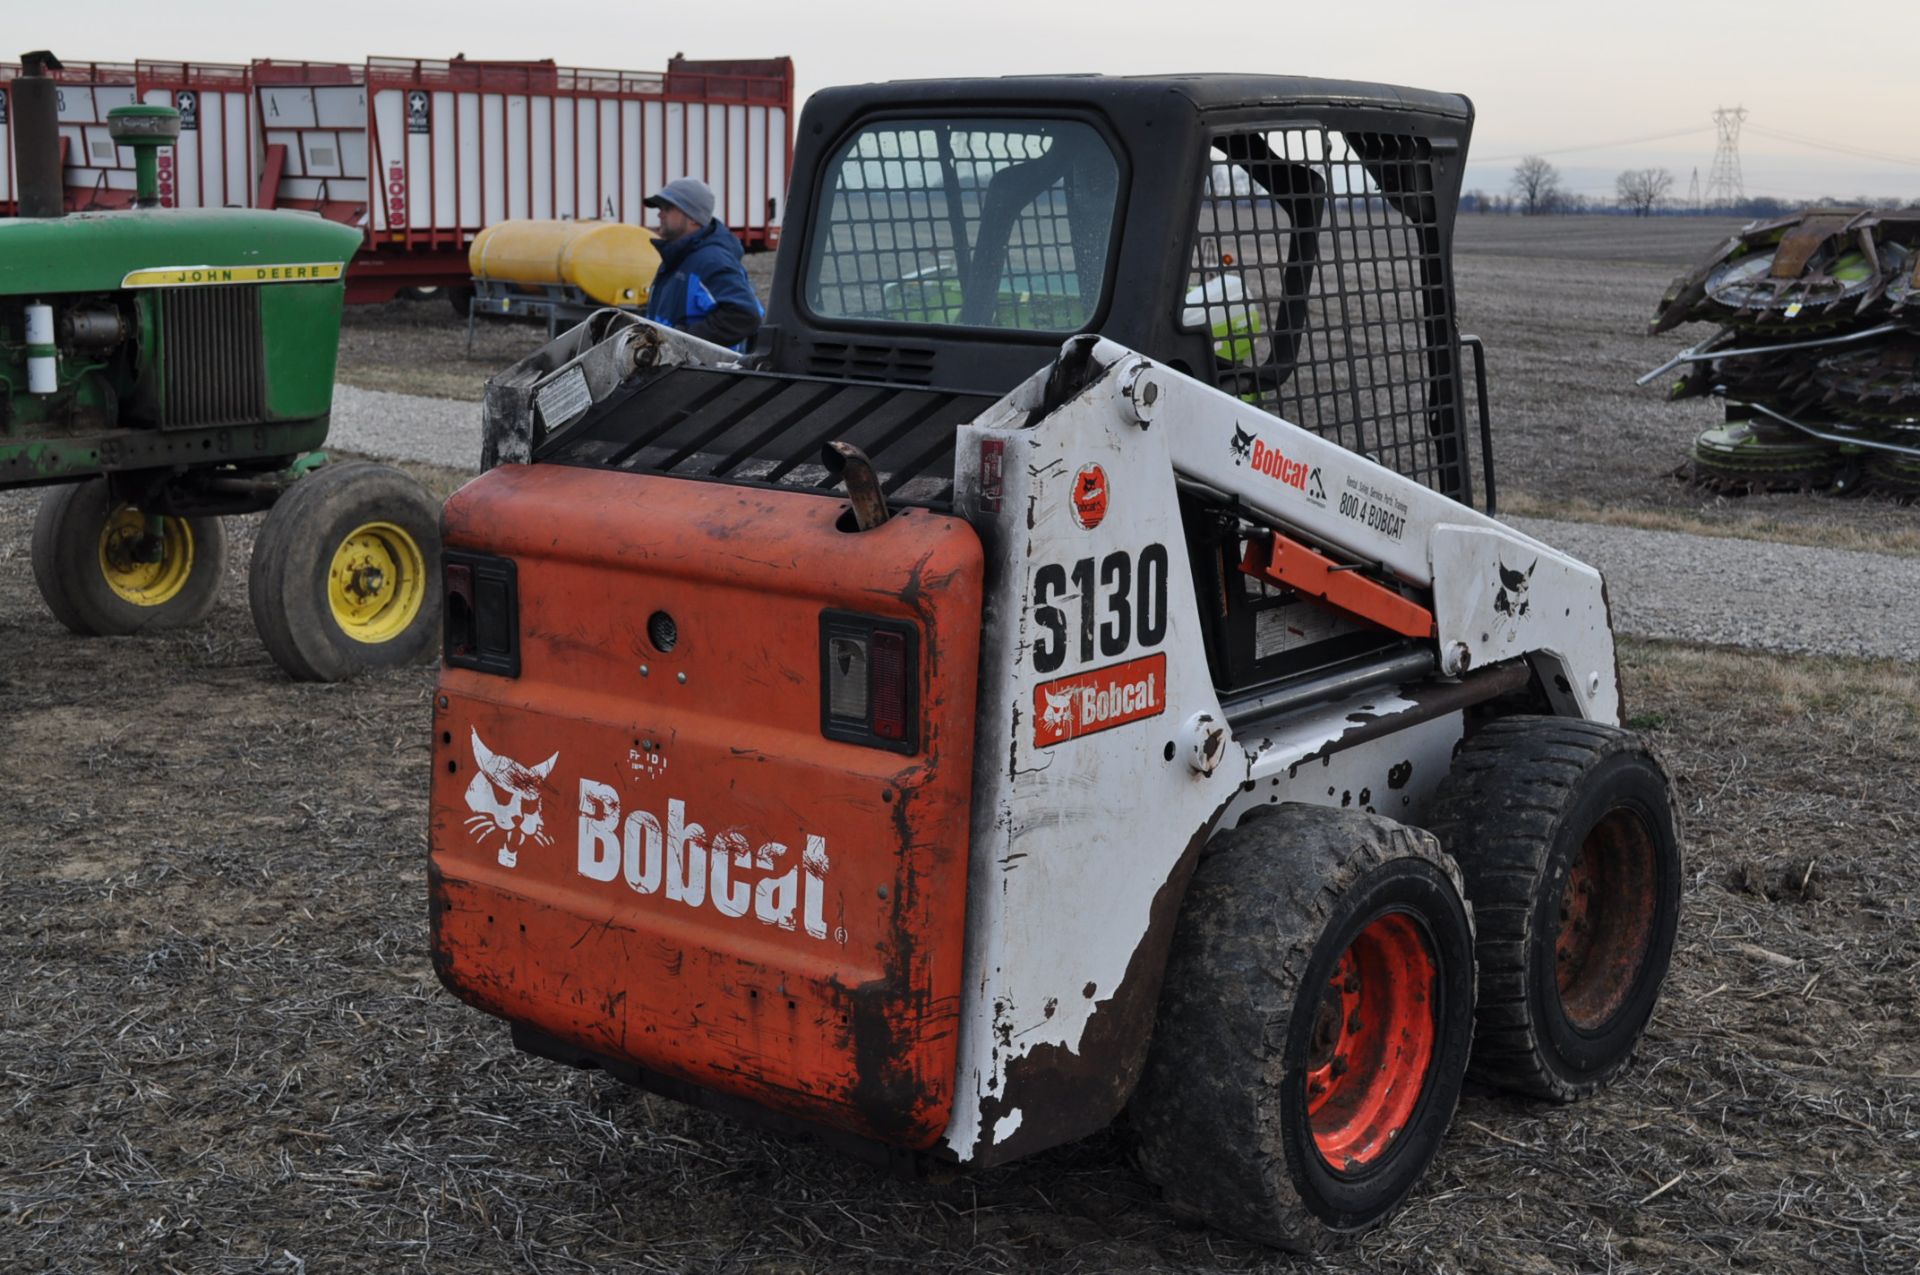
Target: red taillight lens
(869, 681)
(888, 671)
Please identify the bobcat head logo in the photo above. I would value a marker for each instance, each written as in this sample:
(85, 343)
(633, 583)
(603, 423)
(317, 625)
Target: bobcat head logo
(1510, 596)
(1090, 496)
(1059, 714)
(505, 800)
(1242, 445)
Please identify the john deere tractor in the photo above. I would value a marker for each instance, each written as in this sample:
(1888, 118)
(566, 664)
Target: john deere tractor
(162, 369)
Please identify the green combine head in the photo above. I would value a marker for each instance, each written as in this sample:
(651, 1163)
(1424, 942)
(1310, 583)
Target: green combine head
(1745, 456)
(1817, 354)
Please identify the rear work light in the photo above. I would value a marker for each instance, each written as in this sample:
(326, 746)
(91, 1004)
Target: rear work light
(482, 614)
(869, 681)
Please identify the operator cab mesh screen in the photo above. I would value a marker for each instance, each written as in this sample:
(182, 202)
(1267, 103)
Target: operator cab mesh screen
(996, 223)
(1318, 269)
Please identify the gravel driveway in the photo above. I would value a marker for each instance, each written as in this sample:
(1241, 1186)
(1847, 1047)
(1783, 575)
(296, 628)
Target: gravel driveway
(1759, 594)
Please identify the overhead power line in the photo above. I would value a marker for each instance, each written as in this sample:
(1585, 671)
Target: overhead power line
(1778, 135)
(1860, 152)
(1594, 146)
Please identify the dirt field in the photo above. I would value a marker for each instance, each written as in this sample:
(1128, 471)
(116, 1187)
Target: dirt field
(222, 1048)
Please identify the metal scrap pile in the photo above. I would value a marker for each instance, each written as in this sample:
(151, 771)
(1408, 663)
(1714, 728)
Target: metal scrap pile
(1817, 354)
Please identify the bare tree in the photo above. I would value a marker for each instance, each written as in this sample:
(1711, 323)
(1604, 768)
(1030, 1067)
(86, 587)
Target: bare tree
(1536, 185)
(1643, 189)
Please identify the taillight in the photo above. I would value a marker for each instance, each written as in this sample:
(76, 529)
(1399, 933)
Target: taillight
(482, 614)
(869, 681)
(889, 670)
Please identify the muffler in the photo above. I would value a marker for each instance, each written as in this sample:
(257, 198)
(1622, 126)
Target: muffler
(36, 137)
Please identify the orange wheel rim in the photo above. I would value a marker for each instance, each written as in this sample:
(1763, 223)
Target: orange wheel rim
(1373, 1039)
(1606, 920)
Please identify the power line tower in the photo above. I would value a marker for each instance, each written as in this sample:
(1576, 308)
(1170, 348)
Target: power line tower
(1693, 191)
(1725, 185)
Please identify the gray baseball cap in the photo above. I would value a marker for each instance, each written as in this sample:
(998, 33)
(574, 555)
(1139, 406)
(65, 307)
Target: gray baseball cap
(689, 194)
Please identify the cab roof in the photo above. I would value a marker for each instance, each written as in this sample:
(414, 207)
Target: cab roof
(1203, 92)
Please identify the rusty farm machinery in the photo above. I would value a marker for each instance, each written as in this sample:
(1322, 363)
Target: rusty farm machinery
(1816, 353)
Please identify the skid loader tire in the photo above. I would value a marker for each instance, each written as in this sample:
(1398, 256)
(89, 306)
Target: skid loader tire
(93, 587)
(336, 520)
(1254, 1030)
(1537, 808)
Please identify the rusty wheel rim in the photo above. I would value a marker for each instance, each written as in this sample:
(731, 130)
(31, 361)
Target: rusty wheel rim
(1606, 916)
(1372, 1043)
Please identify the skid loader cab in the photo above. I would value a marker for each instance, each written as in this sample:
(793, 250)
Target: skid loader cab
(1288, 239)
(748, 792)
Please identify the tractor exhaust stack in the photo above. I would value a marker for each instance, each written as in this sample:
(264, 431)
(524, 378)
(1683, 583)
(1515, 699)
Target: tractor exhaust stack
(36, 134)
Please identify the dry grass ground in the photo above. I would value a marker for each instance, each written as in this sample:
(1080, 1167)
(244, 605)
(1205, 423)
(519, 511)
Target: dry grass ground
(222, 1048)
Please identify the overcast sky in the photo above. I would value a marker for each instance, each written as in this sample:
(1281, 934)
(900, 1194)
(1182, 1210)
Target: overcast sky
(1546, 76)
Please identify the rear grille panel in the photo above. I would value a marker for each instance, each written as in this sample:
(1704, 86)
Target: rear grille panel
(894, 364)
(763, 430)
(213, 361)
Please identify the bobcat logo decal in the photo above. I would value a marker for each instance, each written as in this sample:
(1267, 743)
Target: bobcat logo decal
(1242, 445)
(1511, 597)
(505, 800)
(1090, 496)
(1059, 714)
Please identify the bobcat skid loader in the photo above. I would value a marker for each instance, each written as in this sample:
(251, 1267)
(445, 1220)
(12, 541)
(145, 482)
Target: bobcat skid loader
(1060, 670)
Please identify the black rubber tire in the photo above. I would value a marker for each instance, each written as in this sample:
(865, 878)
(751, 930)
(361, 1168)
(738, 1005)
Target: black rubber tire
(460, 300)
(1524, 797)
(287, 585)
(1220, 1114)
(66, 566)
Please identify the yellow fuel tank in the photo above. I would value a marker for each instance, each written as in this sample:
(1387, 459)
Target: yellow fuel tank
(610, 261)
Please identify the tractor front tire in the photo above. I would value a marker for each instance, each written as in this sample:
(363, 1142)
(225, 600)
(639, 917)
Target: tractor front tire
(1313, 1029)
(346, 573)
(1565, 832)
(100, 580)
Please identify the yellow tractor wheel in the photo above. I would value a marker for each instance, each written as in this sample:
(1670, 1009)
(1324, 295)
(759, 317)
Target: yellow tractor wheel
(106, 568)
(346, 573)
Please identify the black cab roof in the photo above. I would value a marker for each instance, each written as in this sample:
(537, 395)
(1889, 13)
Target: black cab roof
(1205, 92)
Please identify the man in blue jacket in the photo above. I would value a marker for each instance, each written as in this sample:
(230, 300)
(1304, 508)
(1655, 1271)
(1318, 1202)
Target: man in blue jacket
(702, 289)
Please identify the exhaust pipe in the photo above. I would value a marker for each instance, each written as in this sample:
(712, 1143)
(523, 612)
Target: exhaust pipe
(36, 137)
(850, 465)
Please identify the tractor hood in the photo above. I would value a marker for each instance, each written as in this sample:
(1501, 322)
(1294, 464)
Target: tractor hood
(104, 251)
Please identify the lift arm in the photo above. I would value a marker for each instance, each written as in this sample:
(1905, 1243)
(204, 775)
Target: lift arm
(1495, 593)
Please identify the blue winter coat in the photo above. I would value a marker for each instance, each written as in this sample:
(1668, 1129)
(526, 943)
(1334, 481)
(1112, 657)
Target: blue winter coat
(703, 289)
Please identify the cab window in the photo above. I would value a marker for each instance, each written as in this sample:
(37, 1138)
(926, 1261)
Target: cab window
(982, 223)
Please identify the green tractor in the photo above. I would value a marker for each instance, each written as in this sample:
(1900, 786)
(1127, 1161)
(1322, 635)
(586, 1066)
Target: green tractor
(161, 370)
